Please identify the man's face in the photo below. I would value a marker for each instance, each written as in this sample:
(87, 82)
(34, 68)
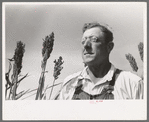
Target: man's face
(94, 49)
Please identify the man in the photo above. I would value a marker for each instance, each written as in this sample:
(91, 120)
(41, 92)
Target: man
(100, 79)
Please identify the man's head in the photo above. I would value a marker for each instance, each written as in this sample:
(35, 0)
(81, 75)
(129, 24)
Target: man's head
(96, 44)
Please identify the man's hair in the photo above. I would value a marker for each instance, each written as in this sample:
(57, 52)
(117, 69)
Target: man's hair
(104, 28)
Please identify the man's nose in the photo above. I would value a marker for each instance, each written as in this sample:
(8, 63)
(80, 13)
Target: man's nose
(87, 44)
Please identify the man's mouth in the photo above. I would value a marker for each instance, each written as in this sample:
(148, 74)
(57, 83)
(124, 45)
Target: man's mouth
(88, 53)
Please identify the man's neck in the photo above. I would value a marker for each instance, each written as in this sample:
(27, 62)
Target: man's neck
(101, 70)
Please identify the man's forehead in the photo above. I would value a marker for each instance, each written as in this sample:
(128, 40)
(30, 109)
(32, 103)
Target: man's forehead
(96, 31)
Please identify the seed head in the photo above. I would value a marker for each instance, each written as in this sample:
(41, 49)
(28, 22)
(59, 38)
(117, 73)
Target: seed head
(58, 67)
(19, 52)
(140, 48)
(48, 43)
(132, 62)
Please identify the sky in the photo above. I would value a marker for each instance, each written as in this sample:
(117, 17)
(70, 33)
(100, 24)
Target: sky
(31, 22)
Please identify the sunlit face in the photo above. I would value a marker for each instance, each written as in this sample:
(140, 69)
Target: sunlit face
(94, 49)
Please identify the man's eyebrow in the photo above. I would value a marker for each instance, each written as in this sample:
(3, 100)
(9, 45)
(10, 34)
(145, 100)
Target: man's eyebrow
(90, 36)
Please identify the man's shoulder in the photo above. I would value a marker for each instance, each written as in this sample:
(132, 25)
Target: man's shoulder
(71, 77)
(129, 76)
(129, 85)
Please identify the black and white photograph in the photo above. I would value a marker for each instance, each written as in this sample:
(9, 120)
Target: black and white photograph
(74, 60)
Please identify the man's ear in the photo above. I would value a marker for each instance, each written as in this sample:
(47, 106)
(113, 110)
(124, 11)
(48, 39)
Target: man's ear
(110, 46)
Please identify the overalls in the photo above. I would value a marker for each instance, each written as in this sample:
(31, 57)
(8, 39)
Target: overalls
(106, 93)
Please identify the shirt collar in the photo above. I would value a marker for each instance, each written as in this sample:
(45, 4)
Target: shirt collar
(84, 74)
(107, 77)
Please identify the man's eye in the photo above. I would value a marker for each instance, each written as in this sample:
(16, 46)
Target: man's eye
(94, 39)
(83, 41)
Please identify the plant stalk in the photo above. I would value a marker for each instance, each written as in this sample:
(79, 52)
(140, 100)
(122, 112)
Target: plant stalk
(52, 89)
(41, 82)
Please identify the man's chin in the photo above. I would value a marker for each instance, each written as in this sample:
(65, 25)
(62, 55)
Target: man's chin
(88, 62)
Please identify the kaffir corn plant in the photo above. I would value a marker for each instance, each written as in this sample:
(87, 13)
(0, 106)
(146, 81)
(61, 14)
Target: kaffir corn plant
(132, 60)
(8, 82)
(140, 48)
(17, 66)
(13, 84)
(48, 43)
(9, 85)
(57, 69)
(35, 90)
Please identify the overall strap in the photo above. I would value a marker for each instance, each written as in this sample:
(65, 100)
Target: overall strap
(116, 74)
(71, 80)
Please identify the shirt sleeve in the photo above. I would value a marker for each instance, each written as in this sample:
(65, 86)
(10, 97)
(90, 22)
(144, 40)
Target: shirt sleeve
(139, 90)
(61, 94)
(67, 91)
(129, 86)
(68, 86)
(64, 90)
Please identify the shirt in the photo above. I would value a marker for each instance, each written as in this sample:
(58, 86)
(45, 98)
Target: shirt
(127, 84)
